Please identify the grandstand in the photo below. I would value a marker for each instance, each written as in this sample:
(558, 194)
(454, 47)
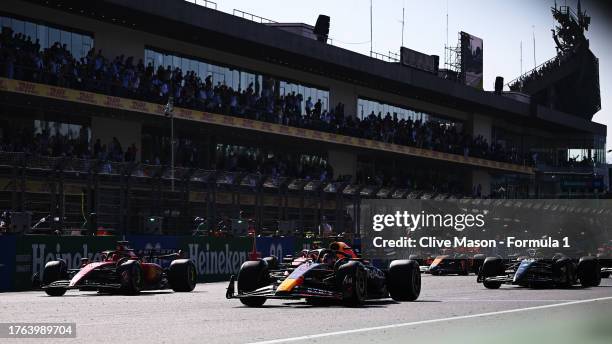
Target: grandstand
(140, 116)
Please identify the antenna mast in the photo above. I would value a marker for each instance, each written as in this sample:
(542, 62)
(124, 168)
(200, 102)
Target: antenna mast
(371, 47)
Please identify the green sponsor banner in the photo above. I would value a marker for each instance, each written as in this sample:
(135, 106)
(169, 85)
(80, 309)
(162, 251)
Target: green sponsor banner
(216, 258)
(34, 251)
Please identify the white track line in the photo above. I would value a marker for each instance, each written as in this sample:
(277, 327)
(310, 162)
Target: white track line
(385, 327)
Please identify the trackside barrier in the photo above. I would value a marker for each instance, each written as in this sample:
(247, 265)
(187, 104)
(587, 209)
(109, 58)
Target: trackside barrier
(7, 262)
(215, 258)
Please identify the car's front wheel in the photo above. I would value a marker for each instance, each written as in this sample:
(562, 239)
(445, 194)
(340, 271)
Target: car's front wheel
(182, 275)
(55, 271)
(353, 282)
(252, 276)
(404, 280)
(589, 271)
(492, 266)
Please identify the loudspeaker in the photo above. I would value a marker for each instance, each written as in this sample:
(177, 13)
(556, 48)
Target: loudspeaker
(321, 29)
(499, 85)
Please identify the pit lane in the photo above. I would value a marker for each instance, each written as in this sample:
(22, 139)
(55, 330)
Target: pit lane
(443, 312)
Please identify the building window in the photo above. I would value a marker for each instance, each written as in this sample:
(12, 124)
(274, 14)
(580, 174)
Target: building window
(237, 79)
(47, 35)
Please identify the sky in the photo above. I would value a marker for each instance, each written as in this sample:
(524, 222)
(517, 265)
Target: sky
(502, 24)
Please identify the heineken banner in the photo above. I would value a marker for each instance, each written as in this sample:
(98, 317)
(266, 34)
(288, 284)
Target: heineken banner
(216, 258)
(34, 251)
(7, 262)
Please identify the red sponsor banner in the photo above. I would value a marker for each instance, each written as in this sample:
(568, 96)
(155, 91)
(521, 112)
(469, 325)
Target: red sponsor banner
(300, 132)
(283, 129)
(316, 135)
(113, 102)
(86, 97)
(57, 92)
(139, 106)
(264, 126)
(247, 123)
(26, 87)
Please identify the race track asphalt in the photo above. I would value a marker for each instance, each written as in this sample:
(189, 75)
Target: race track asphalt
(451, 309)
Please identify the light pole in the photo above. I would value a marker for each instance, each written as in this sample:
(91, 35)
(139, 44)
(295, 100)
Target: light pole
(169, 112)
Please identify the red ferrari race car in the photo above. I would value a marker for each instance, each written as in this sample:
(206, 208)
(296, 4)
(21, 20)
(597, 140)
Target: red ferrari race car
(120, 271)
(325, 275)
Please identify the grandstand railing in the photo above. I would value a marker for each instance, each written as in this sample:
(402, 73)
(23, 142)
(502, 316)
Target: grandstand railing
(253, 17)
(204, 3)
(388, 57)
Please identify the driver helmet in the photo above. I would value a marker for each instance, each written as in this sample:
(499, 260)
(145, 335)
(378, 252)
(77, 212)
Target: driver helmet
(344, 248)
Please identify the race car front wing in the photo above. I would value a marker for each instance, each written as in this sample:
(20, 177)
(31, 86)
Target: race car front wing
(270, 292)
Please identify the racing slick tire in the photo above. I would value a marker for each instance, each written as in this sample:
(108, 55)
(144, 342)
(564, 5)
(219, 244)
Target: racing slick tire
(182, 275)
(353, 282)
(272, 262)
(252, 276)
(589, 271)
(478, 260)
(55, 271)
(404, 280)
(492, 266)
(131, 276)
(564, 271)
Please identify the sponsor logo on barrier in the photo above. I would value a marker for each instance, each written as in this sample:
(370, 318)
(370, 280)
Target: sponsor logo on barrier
(139, 106)
(87, 97)
(56, 92)
(216, 262)
(113, 102)
(26, 87)
(41, 255)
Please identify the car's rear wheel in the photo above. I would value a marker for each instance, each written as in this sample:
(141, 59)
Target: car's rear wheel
(252, 276)
(589, 271)
(563, 272)
(182, 275)
(131, 277)
(404, 280)
(55, 271)
(492, 266)
(353, 282)
(478, 260)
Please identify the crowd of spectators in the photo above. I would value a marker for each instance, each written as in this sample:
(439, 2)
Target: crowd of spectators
(22, 58)
(537, 73)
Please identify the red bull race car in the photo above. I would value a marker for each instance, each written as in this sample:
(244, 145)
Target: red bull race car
(120, 271)
(325, 275)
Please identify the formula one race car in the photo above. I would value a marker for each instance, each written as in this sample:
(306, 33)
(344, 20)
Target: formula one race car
(325, 275)
(120, 271)
(605, 259)
(560, 271)
(459, 264)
